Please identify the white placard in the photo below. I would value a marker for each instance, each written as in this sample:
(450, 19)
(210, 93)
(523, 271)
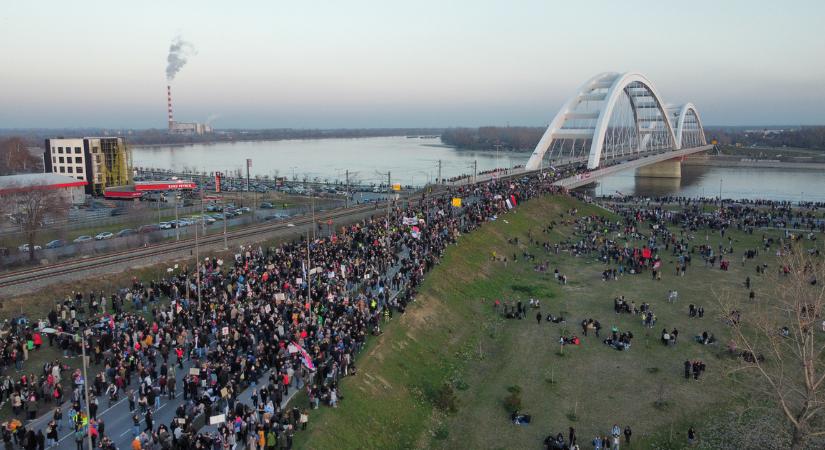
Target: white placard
(220, 418)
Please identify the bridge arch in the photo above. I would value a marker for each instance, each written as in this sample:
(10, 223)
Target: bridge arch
(689, 130)
(615, 115)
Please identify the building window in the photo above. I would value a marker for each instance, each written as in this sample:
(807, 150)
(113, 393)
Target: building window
(77, 149)
(78, 160)
(62, 169)
(54, 150)
(97, 159)
(61, 160)
(94, 149)
(59, 149)
(54, 159)
(70, 169)
(79, 170)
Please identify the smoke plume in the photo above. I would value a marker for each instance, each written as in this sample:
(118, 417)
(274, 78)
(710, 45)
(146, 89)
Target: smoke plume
(179, 51)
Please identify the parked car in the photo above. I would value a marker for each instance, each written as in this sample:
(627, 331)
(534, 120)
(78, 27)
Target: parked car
(55, 244)
(104, 235)
(266, 205)
(83, 238)
(277, 216)
(118, 211)
(165, 225)
(148, 228)
(125, 232)
(25, 247)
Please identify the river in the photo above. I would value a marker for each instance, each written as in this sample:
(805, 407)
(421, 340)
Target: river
(415, 161)
(410, 160)
(734, 182)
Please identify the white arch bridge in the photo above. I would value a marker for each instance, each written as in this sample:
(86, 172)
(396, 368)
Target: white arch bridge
(619, 118)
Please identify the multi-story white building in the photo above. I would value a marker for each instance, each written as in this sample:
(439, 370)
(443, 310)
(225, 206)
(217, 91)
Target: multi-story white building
(101, 161)
(66, 157)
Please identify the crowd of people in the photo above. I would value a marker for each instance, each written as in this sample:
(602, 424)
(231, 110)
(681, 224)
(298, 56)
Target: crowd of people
(287, 317)
(294, 316)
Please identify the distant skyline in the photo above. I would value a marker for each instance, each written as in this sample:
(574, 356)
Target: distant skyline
(383, 64)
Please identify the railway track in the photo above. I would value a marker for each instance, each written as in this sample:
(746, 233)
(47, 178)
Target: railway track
(118, 257)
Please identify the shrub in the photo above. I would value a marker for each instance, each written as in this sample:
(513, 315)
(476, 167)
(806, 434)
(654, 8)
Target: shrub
(445, 399)
(512, 402)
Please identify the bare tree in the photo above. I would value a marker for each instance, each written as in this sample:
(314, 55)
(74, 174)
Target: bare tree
(16, 158)
(782, 340)
(30, 207)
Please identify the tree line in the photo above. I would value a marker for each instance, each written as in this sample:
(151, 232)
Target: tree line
(812, 137)
(526, 138)
(15, 157)
(488, 138)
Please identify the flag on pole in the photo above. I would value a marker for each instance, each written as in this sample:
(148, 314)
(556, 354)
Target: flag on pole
(305, 357)
(457, 202)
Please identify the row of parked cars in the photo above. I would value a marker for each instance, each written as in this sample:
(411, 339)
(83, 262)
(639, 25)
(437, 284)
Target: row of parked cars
(231, 211)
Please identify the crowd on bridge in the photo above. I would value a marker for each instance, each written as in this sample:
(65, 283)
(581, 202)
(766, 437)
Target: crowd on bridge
(276, 320)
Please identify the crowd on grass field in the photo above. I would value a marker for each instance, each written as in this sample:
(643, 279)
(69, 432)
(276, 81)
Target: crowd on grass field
(271, 319)
(638, 241)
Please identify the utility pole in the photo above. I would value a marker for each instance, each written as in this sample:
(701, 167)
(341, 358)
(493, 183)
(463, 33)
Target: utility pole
(197, 266)
(177, 224)
(438, 180)
(86, 384)
(312, 203)
(389, 193)
(346, 197)
(475, 170)
(248, 163)
(309, 275)
(223, 207)
(203, 219)
(497, 147)
(720, 192)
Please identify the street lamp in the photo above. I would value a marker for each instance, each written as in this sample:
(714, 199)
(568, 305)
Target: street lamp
(85, 378)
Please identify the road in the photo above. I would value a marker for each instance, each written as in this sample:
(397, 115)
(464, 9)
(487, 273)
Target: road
(118, 418)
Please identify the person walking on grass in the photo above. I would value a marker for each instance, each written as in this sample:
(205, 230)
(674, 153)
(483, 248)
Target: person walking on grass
(691, 435)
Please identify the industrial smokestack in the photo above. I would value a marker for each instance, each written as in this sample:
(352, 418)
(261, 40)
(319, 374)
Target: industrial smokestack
(169, 104)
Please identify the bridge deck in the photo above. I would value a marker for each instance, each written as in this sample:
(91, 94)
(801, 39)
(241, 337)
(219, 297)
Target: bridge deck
(590, 177)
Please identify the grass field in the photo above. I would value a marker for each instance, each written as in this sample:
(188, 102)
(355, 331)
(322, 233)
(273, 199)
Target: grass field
(452, 336)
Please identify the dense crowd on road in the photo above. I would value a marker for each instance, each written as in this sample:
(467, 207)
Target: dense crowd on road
(272, 319)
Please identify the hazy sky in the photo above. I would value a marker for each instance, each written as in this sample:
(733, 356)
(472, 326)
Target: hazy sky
(389, 63)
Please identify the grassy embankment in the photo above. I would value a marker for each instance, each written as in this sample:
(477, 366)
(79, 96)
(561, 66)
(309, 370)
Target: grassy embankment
(452, 336)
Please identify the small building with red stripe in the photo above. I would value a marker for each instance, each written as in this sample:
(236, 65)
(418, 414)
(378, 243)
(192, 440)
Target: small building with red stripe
(71, 188)
(140, 187)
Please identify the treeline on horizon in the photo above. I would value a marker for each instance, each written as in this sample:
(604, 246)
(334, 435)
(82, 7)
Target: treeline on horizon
(526, 138)
(515, 138)
(36, 137)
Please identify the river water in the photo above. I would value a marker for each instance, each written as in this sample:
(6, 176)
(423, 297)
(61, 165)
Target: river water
(415, 161)
(410, 160)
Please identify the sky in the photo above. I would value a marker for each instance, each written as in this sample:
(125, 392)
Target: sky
(388, 63)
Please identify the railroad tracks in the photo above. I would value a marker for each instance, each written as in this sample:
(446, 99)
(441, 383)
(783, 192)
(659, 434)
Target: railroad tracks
(165, 248)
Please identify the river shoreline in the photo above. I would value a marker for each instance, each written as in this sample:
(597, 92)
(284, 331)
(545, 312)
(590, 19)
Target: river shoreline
(711, 161)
